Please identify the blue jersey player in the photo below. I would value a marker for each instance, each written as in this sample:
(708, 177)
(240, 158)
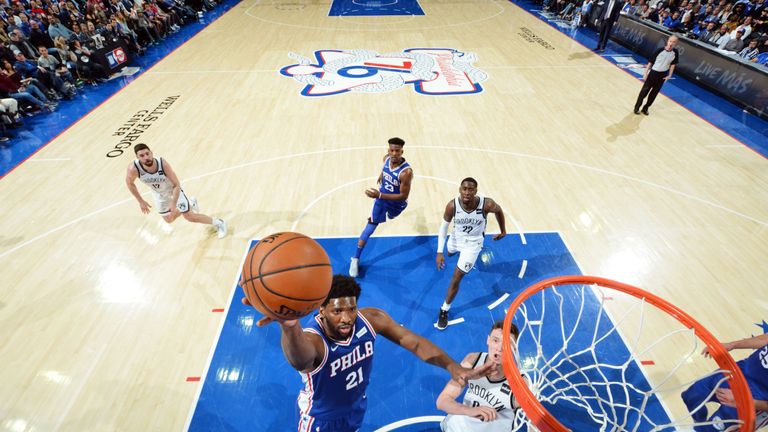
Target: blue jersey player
(390, 199)
(334, 355)
(755, 370)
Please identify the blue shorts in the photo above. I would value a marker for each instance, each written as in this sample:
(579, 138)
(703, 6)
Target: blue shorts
(700, 390)
(350, 423)
(386, 209)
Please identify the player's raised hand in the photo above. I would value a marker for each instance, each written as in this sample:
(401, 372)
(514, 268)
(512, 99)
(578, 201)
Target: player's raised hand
(728, 347)
(725, 396)
(483, 413)
(440, 261)
(266, 320)
(500, 235)
(461, 374)
(372, 193)
(144, 206)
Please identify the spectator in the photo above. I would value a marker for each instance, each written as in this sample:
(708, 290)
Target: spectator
(31, 95)
(88, 69)
(20, 44)
(586, 8)
(80, 35)
(720, 36)
(698, 29)
(750, 52)
(53, 64)
(38, 36)
(30, 69)
(23, 24)
(733, 44)
(644, 12)
(713, 17)
(725, 12)
(673, 22)
(57, 29)
(708, 32)
(746, 28)
(704, 14)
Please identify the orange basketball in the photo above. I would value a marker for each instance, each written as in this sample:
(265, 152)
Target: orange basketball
(286, 275)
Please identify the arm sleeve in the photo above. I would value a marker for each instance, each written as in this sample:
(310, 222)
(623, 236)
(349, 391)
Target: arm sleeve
(441, 236)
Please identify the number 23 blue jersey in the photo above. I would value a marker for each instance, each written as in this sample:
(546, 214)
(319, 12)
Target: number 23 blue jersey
(390, 178)
(337, 386)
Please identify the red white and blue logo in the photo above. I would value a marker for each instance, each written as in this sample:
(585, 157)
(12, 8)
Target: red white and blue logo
(116, 57)
(432, 71)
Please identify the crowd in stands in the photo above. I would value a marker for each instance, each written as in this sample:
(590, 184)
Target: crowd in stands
(48, 46)
(737, 26)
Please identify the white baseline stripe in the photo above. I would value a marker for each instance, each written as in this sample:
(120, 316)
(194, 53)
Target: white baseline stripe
(522, 269)
(498, 301)
(218, 336)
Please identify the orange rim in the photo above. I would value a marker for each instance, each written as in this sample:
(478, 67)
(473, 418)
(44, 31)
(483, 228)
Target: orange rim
(546, 422)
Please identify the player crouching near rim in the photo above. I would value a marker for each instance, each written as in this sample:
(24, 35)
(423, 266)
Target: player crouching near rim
(488, 405)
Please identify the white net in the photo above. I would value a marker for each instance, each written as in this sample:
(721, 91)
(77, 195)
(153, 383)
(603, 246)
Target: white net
(600, 359)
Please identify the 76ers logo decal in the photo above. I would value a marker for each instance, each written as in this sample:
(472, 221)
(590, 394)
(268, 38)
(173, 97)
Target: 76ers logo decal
(432, 71)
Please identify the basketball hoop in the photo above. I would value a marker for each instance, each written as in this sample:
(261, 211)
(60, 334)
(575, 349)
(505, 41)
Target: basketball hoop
(564, 373)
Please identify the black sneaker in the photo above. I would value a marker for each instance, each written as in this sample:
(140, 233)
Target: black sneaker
(442, 320)
(637, 111)
(645, 111)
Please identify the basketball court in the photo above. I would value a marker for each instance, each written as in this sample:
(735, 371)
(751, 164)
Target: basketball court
(113, 320)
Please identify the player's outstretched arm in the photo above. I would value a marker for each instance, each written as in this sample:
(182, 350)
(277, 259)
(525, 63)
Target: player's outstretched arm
(754, 342)
(131, 175)
(303, 350)
(493, 207)
(450, 210)
(423, 348)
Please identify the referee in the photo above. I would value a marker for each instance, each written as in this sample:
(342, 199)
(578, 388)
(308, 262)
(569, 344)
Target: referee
(659, 69)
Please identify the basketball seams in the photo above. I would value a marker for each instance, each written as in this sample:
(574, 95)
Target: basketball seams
(274, 248)
(263, 282)
(261, 275)
(254, 281)
(263, 305)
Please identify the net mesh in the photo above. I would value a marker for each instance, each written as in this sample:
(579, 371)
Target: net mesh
(584, 364)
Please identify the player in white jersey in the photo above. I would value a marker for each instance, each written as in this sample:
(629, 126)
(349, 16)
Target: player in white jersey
(170, 200)
(469, 213)
(488, 405)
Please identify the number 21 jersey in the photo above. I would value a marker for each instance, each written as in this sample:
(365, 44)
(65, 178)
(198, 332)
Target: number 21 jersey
(337, 386)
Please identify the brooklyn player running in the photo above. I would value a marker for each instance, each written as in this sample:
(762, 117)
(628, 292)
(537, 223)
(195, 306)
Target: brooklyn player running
(334, 355)
(162, 181)
(469, 214)
(390, 199)
(755, 370)
(489, 405)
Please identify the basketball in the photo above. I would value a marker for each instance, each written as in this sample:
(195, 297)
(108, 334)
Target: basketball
(286, 276)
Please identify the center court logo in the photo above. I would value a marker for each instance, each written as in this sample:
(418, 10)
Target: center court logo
(432, 71)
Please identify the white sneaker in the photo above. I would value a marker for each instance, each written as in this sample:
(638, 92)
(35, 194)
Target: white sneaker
(193, 205)
(353, 267)
(221, 227)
